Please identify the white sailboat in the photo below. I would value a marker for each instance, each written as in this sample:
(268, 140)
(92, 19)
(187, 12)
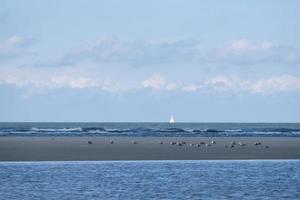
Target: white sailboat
(172, 119)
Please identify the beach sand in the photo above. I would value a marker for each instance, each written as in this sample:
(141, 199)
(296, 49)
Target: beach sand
(146, 148)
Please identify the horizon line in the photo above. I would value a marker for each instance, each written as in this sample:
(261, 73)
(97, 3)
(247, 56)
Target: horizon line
(180, 122)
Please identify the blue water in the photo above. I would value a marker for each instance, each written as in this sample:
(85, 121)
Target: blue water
(151, 180)
(151, 129)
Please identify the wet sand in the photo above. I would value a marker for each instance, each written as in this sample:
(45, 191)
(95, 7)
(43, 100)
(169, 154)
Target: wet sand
(146, 148)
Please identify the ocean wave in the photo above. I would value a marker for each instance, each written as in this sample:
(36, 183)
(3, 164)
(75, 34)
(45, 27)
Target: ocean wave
(93, 129)
(56, 129)
(146, 131)
(233, 130)
(96, 131)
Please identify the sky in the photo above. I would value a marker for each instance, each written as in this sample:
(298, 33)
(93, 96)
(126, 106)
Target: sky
(143, 61)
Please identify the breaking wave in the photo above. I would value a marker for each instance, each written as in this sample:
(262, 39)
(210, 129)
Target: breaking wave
(145, 131)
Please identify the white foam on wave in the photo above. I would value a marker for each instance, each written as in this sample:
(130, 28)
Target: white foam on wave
(56, 129)
(233, 130)
(97, 131)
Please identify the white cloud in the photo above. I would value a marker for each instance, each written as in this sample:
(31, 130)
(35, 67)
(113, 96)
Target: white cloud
(156, 81)
(181, 51)
(54, 78)
(72, 82)
(115, 51)
(11, 80)
(80, 79)
(271, 85)
(240, 45)
(14, 45)
(109, 49)
(191, 88)
(282, 83)
(231, 84)
(247, 45)
(246, 52)
(114, 87)
(172, 86)
(220, 82)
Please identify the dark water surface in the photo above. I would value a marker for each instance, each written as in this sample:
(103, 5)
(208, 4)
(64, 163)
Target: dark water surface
(151, 129)
(151, 180)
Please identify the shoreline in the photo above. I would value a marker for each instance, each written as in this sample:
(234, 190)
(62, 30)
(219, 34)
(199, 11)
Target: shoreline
(142, 161)
(61, 148)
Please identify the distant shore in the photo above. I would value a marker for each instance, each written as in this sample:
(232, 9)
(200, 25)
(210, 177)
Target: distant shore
(147, 148)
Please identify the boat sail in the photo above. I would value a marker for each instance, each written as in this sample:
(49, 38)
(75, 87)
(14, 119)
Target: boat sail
(172, 119)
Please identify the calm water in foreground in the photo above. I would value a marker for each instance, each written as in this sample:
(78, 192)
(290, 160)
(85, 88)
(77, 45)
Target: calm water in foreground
(151, 180)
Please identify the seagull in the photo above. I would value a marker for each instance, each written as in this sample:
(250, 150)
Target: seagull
(257, 143)
(241, 144)
(134, 142)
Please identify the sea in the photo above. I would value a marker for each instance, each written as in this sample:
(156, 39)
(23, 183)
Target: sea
(151, 129)
(203, 179)
(255, 179)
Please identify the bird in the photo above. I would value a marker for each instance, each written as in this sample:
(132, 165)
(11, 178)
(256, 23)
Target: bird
(111, 141)
(213, 142)
(161, 142)
(134, 142)
(90, 142)
(241, 144)
(257, 143)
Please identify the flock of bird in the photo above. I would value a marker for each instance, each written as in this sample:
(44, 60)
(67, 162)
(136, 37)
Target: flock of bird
(208, 144)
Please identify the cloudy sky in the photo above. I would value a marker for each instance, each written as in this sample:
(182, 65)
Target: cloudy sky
(201, 61)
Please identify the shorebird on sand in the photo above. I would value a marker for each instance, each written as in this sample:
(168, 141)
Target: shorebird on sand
(134, 142)
(257, 143)
(179, 143)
